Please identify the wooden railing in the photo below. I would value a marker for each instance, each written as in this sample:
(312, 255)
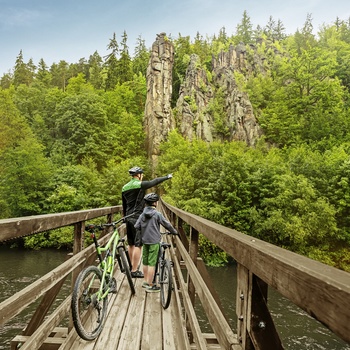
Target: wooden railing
(322, 291)
(48, 286)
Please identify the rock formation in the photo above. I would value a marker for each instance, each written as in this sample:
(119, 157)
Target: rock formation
(210, 105)
(159, 119)
(217, 110)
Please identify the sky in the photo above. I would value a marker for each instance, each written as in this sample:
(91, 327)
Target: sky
(69, 30)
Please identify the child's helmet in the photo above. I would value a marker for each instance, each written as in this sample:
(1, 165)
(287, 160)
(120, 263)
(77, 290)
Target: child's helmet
(151, 197)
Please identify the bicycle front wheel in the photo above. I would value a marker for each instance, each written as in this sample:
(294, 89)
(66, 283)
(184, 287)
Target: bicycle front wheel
(88, 311)
(166, 283)
(126, 268)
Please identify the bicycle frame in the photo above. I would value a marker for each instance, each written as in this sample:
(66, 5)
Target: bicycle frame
(107, 263)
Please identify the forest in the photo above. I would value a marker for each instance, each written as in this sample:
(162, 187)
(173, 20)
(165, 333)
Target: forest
(70, 132)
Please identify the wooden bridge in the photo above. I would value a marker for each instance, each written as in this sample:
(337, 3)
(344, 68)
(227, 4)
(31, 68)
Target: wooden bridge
(138, 321)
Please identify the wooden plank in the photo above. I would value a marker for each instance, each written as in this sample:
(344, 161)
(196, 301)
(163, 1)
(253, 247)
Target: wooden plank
(168, 330)
(193, 253)
(242, 307)
(15, 304)
(110, 336)
(152, 329)
(178, 321)
(167, 321)
(321, 290)
(43, 308)
(28, 225)
(132, 330)
(168, 325)
(69, 341)
(49, 343)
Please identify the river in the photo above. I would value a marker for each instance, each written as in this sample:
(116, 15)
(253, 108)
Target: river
(297, 330)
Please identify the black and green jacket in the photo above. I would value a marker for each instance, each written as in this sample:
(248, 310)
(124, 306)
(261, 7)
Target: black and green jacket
(133, 193)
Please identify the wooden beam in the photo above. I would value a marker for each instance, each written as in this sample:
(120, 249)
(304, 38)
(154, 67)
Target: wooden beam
(260, 325)
(43, 308)
(28, 225)
(242, 307)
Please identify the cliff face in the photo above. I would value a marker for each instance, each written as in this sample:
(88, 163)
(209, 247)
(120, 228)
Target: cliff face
(210, 106)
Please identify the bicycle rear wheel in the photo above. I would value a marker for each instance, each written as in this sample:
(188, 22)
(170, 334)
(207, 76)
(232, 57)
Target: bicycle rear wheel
(166, 284)
(126, 268)
(88, 312)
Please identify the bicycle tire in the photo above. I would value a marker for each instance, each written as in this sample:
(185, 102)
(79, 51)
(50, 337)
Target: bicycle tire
(166, 284)
(125, 268)
(88, 313)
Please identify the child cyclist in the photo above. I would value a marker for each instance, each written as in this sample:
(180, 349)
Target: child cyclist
(149, 223)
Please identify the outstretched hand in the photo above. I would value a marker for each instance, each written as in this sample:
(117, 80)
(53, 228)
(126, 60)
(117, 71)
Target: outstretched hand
(170, 176)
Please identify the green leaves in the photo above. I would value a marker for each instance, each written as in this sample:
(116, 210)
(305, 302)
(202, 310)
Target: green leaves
(296, 198)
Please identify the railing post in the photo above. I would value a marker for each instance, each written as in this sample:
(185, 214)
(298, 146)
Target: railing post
(261, 327)
(242, 307)
(193, 252)
(78, 244)
(255, 326)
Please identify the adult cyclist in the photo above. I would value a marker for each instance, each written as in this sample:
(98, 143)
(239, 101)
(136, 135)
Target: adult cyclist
(133, 203)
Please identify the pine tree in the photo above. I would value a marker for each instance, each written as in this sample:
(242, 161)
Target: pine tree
(124, 63)
(245, 29)
(95, 70)
(111, 63)
(43, 75)
(22, 72)
(141, 57)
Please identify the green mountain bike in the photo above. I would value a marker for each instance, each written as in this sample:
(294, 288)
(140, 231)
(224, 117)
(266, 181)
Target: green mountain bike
(95, 283)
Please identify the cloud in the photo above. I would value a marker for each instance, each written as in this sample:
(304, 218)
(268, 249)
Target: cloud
(20, 17)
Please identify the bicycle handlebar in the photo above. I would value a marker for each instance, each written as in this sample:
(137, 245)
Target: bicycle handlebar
(169, 233)
(116, 222)
(92, 227)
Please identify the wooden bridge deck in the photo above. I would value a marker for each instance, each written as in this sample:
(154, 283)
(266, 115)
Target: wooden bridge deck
(134, 322)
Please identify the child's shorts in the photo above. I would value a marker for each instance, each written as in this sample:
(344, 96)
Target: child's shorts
(150, 254)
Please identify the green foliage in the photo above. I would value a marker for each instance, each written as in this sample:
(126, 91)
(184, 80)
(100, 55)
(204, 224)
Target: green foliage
(59, 238)
(25, 176)
(81, 128)
(216, 109)
(287, 197)
(211, 255)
